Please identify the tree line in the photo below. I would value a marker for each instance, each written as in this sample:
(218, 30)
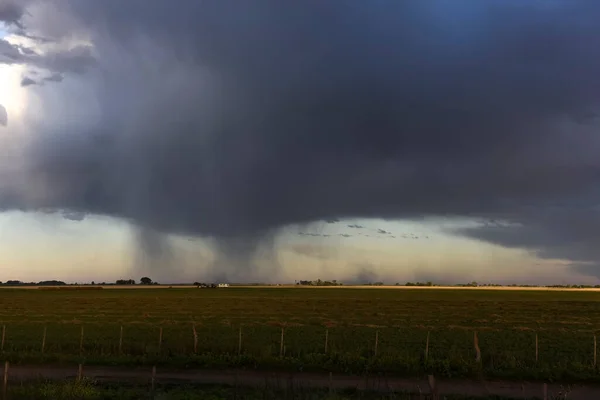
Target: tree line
(318, 282)
(143, 281)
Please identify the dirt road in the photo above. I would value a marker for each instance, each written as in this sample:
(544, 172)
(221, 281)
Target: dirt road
(286, 380)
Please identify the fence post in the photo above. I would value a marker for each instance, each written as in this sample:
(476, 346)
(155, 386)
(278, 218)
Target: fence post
(81, 341)
(595, 352)
(5, 380)
(240, 341)
(153, 380)
(427, 347)
(281, 344)
(160, 333)
(195, 338)
(3, 336)
(121, 340)
(476, 345)
(376, 341)
(44, 340)
(326, 340)
(433, 387)
(80, 372)
(545, 391)
(536, 347)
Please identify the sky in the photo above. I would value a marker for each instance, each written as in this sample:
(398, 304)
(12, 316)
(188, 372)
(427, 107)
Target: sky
(381, 141)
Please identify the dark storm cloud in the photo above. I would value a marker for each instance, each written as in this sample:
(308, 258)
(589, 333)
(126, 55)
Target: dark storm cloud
(54, 78)
(11, 12)
(230, 119)
(73, 216)
(9, 54)
(14, 54)
(26, 81)
(554, 233)
(75, 59)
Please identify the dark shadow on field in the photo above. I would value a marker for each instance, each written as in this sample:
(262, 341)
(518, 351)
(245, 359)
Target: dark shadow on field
(287, 382)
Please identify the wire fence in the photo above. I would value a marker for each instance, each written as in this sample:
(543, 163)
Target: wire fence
(265, 341)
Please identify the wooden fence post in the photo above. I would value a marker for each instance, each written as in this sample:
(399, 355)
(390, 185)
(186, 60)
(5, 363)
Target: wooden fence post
(195, 338)
(80, 372)
(433, 387)
(595, 352)
(160, 333)
(427, 347)
(536, 347)
(476, 345)
(44, 340)
(240, 341)
(281, 344)
(81, 341)
(376, 341)
(545, 391)
(153, 380)
(5, 380)
(121, 340)
(326, 340)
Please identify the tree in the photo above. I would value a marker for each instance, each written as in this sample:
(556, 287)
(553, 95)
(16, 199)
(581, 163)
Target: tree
(146, 281)
(51, 283)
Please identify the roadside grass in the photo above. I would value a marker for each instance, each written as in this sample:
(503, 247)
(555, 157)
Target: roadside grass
(89, 390)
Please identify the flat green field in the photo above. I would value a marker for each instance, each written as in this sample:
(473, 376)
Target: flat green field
(392, 331)
(86, 390)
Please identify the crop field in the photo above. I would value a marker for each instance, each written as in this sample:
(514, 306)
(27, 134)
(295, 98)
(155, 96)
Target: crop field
(86, 390)
(519, 334)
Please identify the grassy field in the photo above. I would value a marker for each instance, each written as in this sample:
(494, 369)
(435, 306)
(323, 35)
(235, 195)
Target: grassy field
(399, 332)
(87, 390)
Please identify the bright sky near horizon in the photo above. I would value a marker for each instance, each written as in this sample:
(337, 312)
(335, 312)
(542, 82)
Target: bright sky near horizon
(98, 126)
(46, 246)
